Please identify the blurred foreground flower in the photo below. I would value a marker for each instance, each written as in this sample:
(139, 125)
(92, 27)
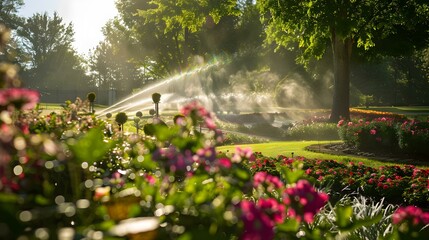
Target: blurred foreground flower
(18, 98)
(304, 201)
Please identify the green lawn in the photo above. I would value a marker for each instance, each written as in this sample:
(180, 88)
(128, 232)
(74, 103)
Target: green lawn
(274, 149)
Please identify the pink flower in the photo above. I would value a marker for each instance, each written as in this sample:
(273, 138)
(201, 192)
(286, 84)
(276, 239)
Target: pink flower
(411, 214)
(225, 162)
(19, 98)
(303, 201)
(197, 112)
(340, 123)
(273, 209)
(263, 178)
(257, 225)
(372, 131)
(150, 179)
(241, 154)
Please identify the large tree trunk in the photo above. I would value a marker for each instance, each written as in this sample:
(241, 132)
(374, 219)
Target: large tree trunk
(342, 49)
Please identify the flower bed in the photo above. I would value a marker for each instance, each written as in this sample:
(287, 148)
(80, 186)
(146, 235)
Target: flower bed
(396, 184)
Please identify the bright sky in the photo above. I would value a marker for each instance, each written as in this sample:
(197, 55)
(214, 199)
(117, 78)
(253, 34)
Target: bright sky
(87, 16)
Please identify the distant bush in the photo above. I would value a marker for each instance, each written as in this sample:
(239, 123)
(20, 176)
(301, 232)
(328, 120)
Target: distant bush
(234, 139)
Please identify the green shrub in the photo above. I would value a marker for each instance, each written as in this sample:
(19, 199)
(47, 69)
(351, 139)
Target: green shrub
(234, 139)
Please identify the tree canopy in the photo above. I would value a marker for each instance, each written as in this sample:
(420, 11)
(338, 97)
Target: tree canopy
(310, 25)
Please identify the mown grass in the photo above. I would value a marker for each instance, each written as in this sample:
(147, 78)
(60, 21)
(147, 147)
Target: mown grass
(273, 149)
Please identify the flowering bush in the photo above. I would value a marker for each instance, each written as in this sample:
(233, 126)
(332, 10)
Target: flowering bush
(372, 135)
(409, 221)
(386, 134)
(413, 137)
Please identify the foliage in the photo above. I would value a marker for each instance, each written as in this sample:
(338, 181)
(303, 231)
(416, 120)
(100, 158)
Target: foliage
(47, 44)
(9, 12)
(413, 137)
(112, 61)
(231, 138)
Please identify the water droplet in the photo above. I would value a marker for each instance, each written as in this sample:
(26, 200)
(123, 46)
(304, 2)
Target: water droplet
(49, 165)
(42, 233)
(59, 199)
(89, 183)
(17, 170)
(84, 165)
(82, 203)
(19, 143)
(25, 216)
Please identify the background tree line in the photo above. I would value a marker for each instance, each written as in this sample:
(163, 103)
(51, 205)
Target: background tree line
(347, 49)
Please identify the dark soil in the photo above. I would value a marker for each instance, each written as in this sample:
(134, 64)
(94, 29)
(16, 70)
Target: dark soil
(343, 149)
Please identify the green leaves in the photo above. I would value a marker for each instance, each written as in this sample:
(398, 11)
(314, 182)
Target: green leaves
(90, 147)
(291, 175)
(347, 221)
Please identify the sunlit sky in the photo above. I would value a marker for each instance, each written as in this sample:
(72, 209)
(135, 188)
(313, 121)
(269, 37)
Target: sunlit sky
(87, 16)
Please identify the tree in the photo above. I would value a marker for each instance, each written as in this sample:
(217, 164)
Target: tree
(310, 25)
(113, 61)
(53, 64)
(8, 12)
(170, 33)
(41, 35)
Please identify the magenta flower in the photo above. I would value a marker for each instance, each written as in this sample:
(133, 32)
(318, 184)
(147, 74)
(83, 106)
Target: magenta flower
(303, 201)
(197, 112)
(225, 162)
(257, 225)
(263, 178)
(272, 208)
(411, 214)
(372, 131)
(241, 154)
